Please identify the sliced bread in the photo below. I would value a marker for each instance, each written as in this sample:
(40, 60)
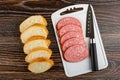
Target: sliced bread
(38, 53)
(40, 65)
(35, 42)
(36, 19)
(34, 30)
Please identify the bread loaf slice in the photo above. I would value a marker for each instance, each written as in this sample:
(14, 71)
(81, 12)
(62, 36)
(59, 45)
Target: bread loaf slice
(36, 19)
(40, 65)
(39, 52)
(34, 30)
(35, 42)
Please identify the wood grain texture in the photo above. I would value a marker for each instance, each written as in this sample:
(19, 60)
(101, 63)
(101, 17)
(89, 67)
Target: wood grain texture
(13, 12)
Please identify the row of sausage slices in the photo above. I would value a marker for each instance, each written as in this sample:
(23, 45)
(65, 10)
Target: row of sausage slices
(69, 30)
(36, 45)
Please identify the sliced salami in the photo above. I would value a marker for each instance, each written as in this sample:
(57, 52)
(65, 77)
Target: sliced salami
(71, 34)
(73, 41)
(68, 20)
(75, 53)
(68, 28)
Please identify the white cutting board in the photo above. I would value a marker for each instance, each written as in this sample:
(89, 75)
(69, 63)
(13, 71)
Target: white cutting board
(82, 67)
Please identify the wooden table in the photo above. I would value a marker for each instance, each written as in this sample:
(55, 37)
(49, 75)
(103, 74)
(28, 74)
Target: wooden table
(12, 12)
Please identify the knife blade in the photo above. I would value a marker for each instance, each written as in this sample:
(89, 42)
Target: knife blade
(90, 34)
(88, 22)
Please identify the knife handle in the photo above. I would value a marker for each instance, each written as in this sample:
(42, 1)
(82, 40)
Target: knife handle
(93, 54)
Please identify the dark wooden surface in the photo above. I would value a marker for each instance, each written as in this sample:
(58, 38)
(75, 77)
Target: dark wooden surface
(12, 12)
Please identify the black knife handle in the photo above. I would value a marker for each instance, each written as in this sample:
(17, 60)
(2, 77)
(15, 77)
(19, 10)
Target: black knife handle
(93, 54)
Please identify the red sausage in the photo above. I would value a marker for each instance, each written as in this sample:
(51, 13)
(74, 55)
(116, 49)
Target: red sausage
(71, 34)
(68, 20)
(68, 28)
(75, 53)
(73, 41)
(71, 38)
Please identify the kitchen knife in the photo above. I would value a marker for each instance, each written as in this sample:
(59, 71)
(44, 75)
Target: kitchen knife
(90, 34)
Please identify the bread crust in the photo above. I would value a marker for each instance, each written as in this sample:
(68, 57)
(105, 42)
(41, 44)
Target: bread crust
(47, 41)
(33, 42)
(34, 26)
(44, 22)
(43, 60)
(38, 49)
(38, 61)
(41, 48)
(37, 38)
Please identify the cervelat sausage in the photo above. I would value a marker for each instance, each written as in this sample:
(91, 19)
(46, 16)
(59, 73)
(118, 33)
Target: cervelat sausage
(75, 53)
(72, 40)
(67, 28)
(66, 21)
(71, 34)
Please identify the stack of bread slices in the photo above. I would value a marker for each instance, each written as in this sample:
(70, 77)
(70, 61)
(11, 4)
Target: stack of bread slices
(36, 45)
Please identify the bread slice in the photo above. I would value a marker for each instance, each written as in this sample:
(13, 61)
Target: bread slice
(38, 53)
(40, 65)
(34, 30)
(36, 19)
(35, 42)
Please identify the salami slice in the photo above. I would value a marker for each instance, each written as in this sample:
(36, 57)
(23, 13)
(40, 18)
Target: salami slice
(71, 34)
(75, 53)
(68, 20)
(73, 41)
(68, 28)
